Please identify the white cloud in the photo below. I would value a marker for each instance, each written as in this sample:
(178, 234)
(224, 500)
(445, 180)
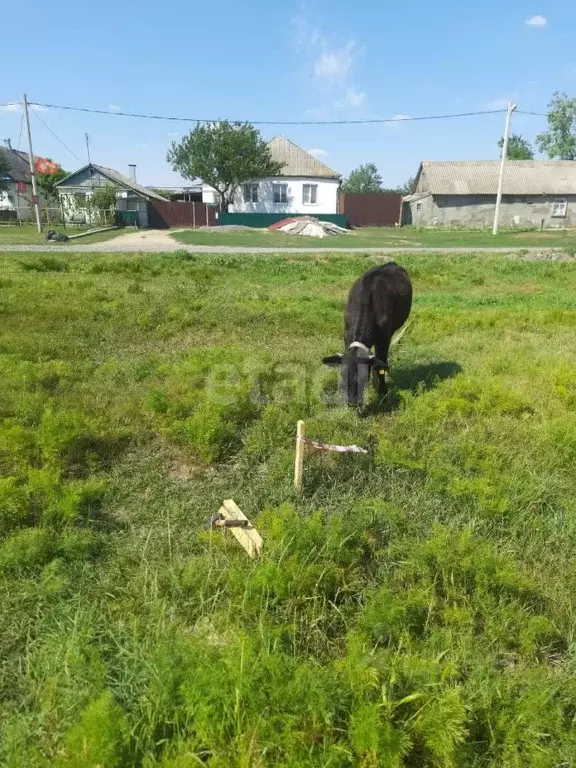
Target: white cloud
(318, 152)
(16, 106)
(397, 121)
(537, 21)
(327, 67)
(355, 98)
(173, 134)
(335, 63)
(141, 146)
(114, 108)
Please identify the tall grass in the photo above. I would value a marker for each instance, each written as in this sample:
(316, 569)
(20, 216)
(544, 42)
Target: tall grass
(413, 607)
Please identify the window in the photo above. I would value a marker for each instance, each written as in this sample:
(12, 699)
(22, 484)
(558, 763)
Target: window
(310, 194)
(280, 193)
(418, 206)
(80, 199)
(559, 208)
(250, 193)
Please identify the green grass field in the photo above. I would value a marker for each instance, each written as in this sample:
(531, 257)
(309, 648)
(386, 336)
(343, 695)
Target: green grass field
(27, 234)
(412, 608)
(384, 237)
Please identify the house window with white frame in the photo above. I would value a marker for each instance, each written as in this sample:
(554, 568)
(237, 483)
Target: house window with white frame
(250, 193)
(310, 194)
(280, 193)
(559, 208)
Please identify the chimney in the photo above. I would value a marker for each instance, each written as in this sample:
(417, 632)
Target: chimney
(132, 172)
(8, 144)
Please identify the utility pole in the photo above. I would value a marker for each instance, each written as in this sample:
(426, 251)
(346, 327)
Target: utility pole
(511, 108)
(31, 161)
(88, 148)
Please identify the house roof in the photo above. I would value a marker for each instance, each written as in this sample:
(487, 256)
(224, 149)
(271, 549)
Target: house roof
(480, 177)
(118, 178)
(297, 162)
(415, 197)
(18, 164)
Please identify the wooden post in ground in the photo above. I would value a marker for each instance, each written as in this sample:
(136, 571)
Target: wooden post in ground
(299, 461)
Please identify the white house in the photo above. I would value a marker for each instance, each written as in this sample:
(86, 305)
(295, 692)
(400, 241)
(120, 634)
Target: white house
(304, 186)
(16, 201)
(75, 192)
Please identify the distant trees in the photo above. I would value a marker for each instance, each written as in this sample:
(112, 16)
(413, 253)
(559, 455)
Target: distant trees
(560, 139)
(104, 198)
(224, 155)
(518, 148)
(47, 183)
(365, 178)
(407, 188)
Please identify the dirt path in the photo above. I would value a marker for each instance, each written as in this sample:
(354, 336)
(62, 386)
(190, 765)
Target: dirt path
(160, 241)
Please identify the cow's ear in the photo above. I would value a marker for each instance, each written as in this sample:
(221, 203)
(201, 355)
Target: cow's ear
(333, 360)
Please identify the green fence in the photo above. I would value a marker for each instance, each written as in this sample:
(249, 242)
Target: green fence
(262, 220)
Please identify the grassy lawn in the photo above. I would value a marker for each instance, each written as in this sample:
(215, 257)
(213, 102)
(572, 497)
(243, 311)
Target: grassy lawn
(383, 237)
(29, 235)
(412, 607)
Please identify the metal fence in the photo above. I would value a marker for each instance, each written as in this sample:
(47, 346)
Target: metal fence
(180, 214)
(262, 220)
(380, 209)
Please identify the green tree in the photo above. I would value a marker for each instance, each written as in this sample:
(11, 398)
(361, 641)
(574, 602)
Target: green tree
(104, 198)
(560, 138)
(408, 187)
(4, 171)
(47, 183)
(224, 155)
(518, 148)
(365, 178)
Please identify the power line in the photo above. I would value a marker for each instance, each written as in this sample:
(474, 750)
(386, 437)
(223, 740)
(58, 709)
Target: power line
(57, 137)
(273, 122)
(538, 114)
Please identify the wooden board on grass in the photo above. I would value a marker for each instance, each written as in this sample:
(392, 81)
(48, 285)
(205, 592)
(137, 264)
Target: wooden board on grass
(249, 538)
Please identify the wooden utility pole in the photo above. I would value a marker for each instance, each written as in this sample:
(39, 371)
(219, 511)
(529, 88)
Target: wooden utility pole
(31, 162)
(511, 108)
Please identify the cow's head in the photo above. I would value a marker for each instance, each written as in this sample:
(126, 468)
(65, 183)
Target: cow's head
(355, 365)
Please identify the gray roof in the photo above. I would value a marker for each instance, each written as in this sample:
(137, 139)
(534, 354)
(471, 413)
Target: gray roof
(18, 164)
(480, 177)
(297, 162)
(119, 179)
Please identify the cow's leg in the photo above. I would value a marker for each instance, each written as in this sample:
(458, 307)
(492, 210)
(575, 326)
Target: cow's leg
(382, 349)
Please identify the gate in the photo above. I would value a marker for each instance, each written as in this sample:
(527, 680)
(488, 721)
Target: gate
(378, 209)
(166, 215)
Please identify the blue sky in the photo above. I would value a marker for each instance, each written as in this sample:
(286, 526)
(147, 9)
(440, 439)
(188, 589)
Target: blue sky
(307, 59)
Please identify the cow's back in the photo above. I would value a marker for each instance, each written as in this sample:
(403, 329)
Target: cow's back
(382, 295)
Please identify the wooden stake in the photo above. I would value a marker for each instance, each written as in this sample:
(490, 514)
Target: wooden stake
(249, 538)
(299, 461)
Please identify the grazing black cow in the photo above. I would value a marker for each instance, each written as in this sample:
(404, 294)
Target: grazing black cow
(378, 305)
